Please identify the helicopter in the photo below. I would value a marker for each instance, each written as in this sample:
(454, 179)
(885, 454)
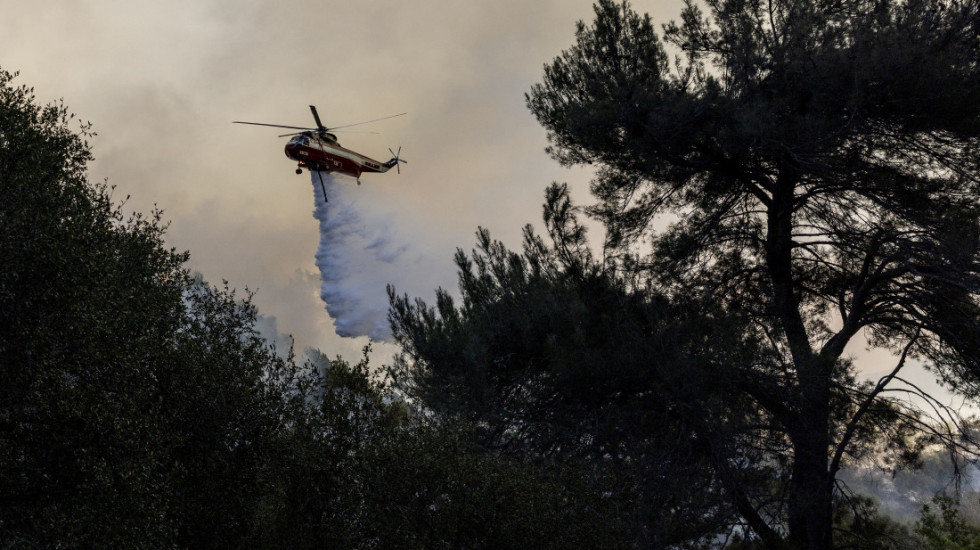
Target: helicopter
(318, 150)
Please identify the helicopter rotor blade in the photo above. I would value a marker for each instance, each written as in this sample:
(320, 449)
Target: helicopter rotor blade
(316, 117)
(320, 128)
(273, 125)
(339, 132)
(366, 122)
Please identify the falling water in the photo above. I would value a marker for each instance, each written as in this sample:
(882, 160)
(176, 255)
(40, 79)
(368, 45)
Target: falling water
(356, 260)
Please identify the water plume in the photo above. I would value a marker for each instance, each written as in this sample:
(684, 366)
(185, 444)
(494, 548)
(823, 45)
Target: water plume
(357, 258)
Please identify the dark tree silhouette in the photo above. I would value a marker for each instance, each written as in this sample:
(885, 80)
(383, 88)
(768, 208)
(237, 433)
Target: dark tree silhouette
(793, 174)
(821, 159)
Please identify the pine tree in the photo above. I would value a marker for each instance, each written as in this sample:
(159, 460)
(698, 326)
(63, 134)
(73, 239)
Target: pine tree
(817, 165)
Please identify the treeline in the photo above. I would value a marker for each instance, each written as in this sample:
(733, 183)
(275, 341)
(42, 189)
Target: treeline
(140, 408)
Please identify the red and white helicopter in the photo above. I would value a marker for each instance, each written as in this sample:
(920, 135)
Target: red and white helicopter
(318, 150)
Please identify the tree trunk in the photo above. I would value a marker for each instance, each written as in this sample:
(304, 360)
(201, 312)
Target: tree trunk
(811, 488)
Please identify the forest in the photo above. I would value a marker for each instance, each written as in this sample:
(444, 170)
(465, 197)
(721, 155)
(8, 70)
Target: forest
(774, 180)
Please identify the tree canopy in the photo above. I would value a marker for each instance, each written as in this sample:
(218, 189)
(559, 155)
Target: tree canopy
(796, 175)
(133, 396)
(822, 160)
(556, 359)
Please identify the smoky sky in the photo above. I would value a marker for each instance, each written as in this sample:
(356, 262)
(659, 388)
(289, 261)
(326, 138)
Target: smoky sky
(162, 81)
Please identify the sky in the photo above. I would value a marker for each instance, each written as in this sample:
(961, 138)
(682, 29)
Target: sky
(162, 81)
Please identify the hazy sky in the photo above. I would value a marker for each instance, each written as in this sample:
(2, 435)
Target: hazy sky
(162, 80)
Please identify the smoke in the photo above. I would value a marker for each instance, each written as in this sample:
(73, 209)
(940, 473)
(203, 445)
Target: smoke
(357, 258)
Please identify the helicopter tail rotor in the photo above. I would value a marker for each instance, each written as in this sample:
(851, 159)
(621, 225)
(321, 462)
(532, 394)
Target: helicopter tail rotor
(395, 160)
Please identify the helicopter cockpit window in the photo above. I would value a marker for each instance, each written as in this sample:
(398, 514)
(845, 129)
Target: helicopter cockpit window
(300, 140)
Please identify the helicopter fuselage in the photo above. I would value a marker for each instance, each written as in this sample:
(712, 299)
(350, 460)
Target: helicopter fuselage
(323, 153)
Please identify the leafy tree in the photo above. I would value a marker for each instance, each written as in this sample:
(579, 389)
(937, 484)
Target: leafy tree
(366, 471)
(79, 295)
(816, 166)
(134, 398)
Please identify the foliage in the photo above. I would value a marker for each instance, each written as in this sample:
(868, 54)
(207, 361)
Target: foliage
(133, 397)
(79, 295)
(799, 175)
(947, 531)
(365, 471)
(817, 165)
(554, 358)
(859, 524)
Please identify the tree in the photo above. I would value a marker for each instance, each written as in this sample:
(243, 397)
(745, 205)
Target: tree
(558, 359)
(134, 398)
(817, 166)
(365, 470)
(64, 293)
